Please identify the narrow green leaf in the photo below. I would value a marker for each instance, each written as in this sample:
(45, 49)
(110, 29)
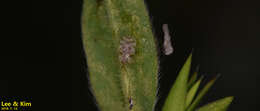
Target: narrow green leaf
(192, 92)
(193, 78)
(177, 96)
(201, 94)
(219, 105)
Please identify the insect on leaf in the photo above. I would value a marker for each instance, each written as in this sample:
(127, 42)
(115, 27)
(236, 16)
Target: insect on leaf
(121, 54)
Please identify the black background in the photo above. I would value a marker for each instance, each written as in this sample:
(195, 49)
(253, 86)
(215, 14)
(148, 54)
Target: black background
(223, 34)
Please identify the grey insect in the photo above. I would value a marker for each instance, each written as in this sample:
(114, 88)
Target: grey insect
(167, 45)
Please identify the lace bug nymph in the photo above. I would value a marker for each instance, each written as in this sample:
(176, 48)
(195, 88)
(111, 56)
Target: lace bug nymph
(126, 49)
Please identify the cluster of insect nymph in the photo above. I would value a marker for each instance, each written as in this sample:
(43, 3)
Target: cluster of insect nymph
(126, 49)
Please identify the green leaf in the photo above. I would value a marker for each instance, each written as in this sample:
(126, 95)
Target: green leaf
(201, 94)
(177, 95)
(105, 24)
(219, 105)
(192, 92)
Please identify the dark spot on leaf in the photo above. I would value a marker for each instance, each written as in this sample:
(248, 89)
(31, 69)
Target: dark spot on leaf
(131, 103)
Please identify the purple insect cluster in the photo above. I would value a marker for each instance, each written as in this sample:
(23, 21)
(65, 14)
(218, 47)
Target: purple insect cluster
(127, 49)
